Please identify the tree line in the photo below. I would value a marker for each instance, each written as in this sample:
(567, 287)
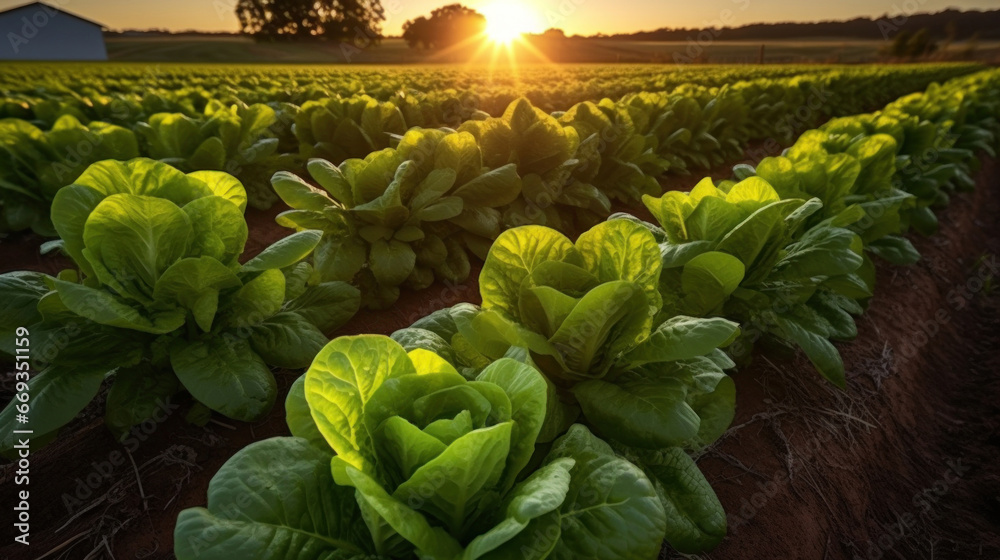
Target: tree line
(360, 21)
(954, 24)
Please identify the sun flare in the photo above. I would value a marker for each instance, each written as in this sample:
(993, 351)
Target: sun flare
(507, 21)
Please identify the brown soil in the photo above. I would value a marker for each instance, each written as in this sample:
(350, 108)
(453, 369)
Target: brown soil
(806, 472)
(263, 229)
(20, 251)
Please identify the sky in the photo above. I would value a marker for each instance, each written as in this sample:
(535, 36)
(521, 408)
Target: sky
(583, 17)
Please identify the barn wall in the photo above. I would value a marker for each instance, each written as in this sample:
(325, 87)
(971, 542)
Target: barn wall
(41, 33)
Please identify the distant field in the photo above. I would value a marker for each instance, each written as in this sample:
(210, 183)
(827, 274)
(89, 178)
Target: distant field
(395, 51)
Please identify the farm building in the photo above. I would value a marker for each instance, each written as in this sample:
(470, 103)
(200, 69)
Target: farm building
(38, 31)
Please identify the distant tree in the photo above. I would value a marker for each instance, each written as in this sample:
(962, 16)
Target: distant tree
(352, 21)
(912, 45)
(447, 26)
(920, 44)
(417, 33)
(969, 52)
(554, 34)
(950, 32)
(899, 44)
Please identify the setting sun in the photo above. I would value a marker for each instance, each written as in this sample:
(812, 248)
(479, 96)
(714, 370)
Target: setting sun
(507, 21)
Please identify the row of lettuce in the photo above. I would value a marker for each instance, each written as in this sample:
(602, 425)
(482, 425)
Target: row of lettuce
(252, 133)
(555, 420)
(124, 93)
(415, 213)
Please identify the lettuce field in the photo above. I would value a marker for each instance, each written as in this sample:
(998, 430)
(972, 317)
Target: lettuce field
(599, 312)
